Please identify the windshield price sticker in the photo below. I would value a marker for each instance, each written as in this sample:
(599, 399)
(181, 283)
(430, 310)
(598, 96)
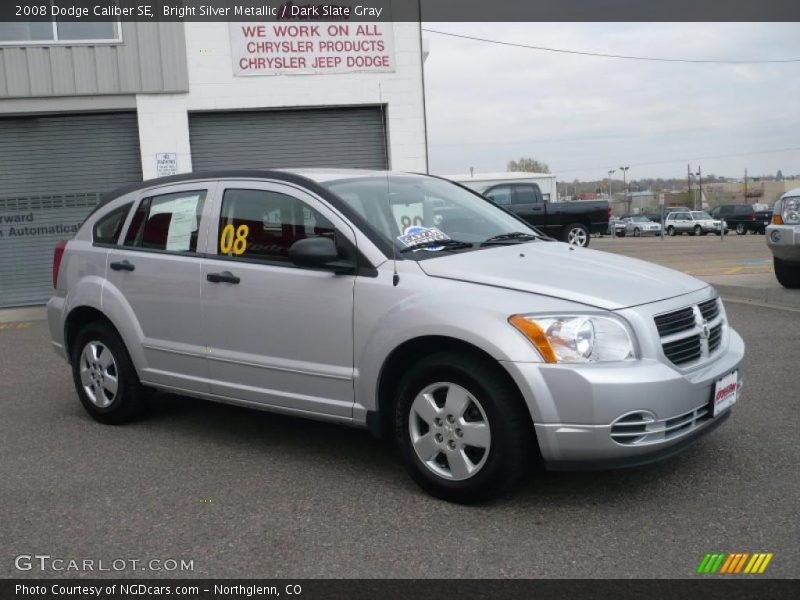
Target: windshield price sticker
(422, 235)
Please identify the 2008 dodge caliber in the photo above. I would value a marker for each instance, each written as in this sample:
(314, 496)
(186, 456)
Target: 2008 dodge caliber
(402, 303)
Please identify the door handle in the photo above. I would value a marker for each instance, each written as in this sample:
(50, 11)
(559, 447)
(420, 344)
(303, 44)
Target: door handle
(122, 266)
(224, 277)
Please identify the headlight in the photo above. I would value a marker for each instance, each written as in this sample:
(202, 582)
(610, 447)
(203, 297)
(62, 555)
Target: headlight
(576, 338)
(790, 211)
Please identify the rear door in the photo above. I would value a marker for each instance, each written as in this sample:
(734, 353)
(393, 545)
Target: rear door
(156, 269)
(278, 334)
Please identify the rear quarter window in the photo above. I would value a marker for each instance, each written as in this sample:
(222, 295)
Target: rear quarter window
(107, 229)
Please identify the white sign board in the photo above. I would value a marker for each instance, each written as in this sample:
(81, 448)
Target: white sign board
(277, 48)
(166, 164)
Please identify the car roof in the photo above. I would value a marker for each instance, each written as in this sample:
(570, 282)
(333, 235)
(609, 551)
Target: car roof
(794, 192)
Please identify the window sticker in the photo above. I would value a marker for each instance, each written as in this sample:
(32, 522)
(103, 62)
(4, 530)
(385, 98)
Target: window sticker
(183, 222)
(419, 235)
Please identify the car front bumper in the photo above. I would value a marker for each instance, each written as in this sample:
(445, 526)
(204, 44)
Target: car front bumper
(576, 408)
(784, 241)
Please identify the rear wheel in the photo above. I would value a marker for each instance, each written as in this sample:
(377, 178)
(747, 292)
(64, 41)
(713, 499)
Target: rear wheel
(462, 429)
(788, 274)
(576, 234)
(104, 375)
(636, 232)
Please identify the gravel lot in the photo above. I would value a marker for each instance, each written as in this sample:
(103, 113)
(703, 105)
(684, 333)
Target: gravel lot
(250, 494)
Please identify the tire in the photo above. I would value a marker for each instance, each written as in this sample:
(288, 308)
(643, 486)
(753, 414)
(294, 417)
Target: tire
(99, 357)
(697, 230)
(740, 229)
(637, 233)
(788, 274)
(671, 231)
(501, 428)
(622, 234)
(576, 234)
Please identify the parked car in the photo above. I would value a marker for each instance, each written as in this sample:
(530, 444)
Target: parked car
(639, 225)
(571, 222)
(618, 225)
(783, 239)
(743, 218)
(402, 303)
(693, 222)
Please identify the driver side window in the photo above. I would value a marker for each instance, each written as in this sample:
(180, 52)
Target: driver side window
(500, 195)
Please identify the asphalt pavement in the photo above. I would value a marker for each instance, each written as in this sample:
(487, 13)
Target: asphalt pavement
(242, 493)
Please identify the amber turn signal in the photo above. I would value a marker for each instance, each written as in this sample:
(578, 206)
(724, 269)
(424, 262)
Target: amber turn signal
(537, 337)
(777, 220)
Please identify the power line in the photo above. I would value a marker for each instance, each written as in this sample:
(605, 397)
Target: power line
(601, 55)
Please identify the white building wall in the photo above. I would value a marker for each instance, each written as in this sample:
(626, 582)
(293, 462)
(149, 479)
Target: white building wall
(163, 119)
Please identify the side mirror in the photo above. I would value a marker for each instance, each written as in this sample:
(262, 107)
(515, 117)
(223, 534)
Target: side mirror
(313, 252)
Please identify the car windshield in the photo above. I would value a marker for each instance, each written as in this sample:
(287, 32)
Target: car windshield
(641, 219)
(413, 210)
(700, 214)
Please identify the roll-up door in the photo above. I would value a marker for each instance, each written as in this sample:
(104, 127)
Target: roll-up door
(53, 170)
(333, 137)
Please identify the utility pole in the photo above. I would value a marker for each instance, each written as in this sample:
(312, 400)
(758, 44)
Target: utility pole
(625, 187)
(700, 184)
(613, 229)
(689, 182)
(745, 186)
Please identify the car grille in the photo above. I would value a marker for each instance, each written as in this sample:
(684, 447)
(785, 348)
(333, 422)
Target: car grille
(690, 334)
(639, 428)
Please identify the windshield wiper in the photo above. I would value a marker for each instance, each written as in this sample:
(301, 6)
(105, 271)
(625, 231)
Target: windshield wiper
(510, 238)
(438, 244)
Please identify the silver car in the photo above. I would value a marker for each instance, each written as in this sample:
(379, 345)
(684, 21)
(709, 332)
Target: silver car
(640, 225)
(402, 303)
(693, 222)
(783, 239)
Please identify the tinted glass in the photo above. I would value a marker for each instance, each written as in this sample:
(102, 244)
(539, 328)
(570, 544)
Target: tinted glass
(80, 30)
(26, 32)
(500, 195)
(263, 224)
(169, 222)
(107, 229)
(526, 194)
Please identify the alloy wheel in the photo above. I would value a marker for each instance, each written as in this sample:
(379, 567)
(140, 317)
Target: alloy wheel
(577, 237)
(449, 431)
(99, 374)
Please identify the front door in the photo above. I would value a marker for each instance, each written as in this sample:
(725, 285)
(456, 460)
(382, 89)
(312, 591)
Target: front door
(278, 334)
(157, 270)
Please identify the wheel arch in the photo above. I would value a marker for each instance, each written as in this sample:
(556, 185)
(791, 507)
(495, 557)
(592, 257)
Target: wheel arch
(77, 318)
(380, 421)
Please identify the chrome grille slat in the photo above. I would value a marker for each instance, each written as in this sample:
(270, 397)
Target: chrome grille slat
(689, 334)
(653, 431)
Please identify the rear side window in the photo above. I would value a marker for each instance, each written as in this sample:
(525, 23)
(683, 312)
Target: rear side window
(108, 228)
(263, 225)
(168, 223)
(526, 194)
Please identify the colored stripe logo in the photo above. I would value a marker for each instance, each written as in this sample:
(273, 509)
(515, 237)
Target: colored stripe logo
(735, 563)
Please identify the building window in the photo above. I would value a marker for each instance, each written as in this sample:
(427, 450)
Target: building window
(53, 31)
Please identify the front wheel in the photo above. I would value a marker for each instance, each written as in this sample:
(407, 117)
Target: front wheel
(788, 274)
(462, 429)
(104, 375)
(697, 230)
(740, 229)
(671, 231)
(576, 235)
(637, 233)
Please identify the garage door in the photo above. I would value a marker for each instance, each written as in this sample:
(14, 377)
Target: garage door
(338, 137)
(53, 169)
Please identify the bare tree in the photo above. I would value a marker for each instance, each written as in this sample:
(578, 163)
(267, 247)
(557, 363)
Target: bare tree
(527, 165)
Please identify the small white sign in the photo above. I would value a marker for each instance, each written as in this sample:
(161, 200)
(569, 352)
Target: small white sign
(166, 164)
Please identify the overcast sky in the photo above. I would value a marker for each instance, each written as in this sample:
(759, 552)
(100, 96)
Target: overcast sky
(487, 104)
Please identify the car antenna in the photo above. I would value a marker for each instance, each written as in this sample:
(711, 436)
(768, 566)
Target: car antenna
(395, 274)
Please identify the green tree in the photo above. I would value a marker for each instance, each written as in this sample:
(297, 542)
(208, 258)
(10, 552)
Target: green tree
(527, 165)
(778, 175)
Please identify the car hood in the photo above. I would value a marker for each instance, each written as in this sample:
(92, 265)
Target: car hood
(558, 270)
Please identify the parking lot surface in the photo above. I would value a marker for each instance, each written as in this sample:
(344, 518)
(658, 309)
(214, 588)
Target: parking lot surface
(251, 494)
(702, 256)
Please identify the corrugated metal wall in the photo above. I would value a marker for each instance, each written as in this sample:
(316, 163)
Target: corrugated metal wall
(336, 137)
(53, 170)
(150, 59)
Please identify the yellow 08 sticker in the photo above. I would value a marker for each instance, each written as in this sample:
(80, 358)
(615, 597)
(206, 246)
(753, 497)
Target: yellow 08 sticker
(233, 240)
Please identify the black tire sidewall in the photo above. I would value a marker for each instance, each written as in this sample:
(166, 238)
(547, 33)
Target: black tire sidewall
(787, 274)
(128, 402)
(502, 408)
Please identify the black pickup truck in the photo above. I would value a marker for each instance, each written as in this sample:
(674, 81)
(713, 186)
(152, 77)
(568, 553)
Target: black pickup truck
(572, 222)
